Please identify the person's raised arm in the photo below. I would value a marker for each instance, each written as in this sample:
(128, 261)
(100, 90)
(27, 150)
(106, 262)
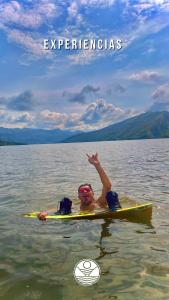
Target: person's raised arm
(93, 159)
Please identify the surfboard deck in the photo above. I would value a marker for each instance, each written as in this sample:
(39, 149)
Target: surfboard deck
(144, 210)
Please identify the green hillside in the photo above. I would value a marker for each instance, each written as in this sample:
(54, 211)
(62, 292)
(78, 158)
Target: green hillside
(145, 126)
(6, 143)
(34, 136)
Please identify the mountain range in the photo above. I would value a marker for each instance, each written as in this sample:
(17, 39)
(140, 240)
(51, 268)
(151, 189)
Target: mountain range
(33, 136)
(148, 125)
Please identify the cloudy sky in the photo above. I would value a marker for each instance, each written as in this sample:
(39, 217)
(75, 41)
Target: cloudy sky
(84, 89)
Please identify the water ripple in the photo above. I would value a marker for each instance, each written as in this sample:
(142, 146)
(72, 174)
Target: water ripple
(37, 259)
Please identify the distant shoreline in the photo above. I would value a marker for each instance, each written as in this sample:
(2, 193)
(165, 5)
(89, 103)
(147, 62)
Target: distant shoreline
(149, 125)
(118, 140)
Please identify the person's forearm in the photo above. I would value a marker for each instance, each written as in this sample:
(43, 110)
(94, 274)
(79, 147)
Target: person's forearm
(104, 178)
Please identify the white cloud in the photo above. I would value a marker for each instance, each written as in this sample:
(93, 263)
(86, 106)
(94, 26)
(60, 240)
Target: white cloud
(160, 98)
(24, 118)
(146, 76)
(101, 111)
(18, 119)
(2, 113)
(55, 117)
(143, 25)
(32, 45)
(97, 2)
(31, 17)
(84, 57)
(52, 119)
(143, 5)
(73, 9)
(36, 13)
(161, 93)
(14, 12)
(96, 115)
(75, 16)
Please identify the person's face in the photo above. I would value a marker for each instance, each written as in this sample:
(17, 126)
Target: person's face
(86, 195)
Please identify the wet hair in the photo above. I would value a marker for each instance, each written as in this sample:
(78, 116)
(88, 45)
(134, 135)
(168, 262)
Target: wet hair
(88, 184)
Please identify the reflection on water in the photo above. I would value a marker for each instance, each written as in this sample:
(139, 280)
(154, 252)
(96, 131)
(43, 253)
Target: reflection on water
(37, 259)
(146, 220)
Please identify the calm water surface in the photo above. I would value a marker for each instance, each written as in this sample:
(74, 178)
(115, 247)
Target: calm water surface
(37, 259)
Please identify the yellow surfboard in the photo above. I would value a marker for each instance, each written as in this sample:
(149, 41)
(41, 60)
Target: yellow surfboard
(144, 210)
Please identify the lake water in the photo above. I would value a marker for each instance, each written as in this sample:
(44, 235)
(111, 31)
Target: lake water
(37, 258)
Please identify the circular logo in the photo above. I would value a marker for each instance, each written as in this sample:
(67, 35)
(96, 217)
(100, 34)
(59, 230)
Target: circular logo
(87, 272)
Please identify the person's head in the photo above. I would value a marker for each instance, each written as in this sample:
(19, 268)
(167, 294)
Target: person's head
(86, 194)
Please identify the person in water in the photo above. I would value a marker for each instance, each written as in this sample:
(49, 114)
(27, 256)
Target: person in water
(88, 202)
